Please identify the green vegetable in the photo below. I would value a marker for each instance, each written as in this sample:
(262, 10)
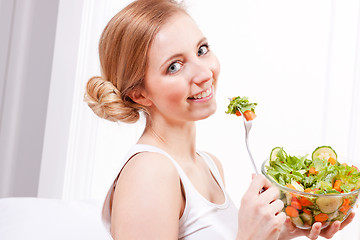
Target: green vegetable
(241, 104)
(297, 221)
(307, 218)
(324, 153)
(287, 169)
(275, 151)
(329, 205)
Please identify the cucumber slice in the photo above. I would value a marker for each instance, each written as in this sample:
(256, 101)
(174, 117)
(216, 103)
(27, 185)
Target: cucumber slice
(324, 153)
(297, 221)
(307, 218)
(329, 204)
(333, 215)
(274, 152)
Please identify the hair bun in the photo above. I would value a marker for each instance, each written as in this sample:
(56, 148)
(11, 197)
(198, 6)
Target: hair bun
(106, 102)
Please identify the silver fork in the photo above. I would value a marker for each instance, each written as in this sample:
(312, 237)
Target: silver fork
(248, 125)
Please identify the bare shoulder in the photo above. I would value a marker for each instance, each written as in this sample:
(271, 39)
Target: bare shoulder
(218, 165)
(149, 164)
(147, 199)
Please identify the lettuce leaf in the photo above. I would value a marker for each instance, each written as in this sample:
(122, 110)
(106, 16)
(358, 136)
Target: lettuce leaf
(286, 168)
(241, 104)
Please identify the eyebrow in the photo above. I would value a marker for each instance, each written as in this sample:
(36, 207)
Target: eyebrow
(176, 55)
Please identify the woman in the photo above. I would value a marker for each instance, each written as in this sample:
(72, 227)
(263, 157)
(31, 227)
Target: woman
(155, 60)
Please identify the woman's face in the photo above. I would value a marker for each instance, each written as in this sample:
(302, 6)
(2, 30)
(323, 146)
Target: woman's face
(182, 72)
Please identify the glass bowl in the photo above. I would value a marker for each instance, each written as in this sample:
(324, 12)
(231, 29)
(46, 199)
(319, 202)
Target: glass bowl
(304, 209)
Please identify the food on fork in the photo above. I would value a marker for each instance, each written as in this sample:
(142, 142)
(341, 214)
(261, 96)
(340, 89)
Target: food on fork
(241, 105)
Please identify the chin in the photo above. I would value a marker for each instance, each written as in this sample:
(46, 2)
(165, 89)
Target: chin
(207, 114)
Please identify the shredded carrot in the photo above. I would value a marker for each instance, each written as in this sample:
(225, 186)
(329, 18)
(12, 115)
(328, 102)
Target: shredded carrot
(290, 186)
(345, 206)
(305, 202)
(249, 115)
(346, 201)
(296, 204)
(344, 209)
(337, 185)
(332, 160)
(308, 190)
(321, 217)
(312, 170)
(307, 211)
(291, 211)
(294, 196)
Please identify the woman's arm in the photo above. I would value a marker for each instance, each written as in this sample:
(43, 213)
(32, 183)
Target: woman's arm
(147, 202)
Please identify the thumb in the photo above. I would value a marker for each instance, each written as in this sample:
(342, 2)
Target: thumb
(291, 228)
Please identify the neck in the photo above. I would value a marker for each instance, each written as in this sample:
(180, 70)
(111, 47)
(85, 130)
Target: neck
(178, 139)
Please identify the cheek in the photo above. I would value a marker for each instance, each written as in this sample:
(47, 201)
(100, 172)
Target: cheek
(176, 92)
(172, 93)
(215, 68)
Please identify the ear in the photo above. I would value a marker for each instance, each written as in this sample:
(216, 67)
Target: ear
(139, 96)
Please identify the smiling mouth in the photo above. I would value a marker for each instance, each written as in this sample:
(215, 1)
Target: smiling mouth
(203, 94)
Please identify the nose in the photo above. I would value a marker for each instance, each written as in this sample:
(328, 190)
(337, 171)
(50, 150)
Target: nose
(201, 72)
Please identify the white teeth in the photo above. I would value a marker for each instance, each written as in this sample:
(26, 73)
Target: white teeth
(203, 94)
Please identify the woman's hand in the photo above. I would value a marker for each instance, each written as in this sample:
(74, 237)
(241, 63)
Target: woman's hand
(290, 231)
(260, 215)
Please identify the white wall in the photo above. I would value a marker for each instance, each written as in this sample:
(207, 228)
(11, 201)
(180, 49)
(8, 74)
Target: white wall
(26, 52)
(298, 59)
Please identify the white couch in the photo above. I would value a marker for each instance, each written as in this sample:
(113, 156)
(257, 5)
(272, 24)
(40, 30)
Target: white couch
(50, 219)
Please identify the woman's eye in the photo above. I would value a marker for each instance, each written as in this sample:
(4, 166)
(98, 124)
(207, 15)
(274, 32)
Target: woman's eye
(203, 50)
(174, 67)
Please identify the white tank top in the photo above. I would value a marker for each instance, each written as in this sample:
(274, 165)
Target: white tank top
(201, 219)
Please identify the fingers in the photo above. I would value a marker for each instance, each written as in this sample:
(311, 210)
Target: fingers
(282, 218)
(277, 207)
(347, 220)
(270, 194)
(331, 230)
(289, 226)
(336, 226)
(259, 182)
(315, 231)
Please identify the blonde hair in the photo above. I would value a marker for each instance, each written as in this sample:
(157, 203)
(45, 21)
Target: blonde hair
(123, 50)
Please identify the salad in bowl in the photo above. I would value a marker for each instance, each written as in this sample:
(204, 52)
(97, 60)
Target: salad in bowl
(319, 188)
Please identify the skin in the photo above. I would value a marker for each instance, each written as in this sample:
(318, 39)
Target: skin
(180, 47)
(180, 66)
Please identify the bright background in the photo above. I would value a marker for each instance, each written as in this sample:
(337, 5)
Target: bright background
(299, 60)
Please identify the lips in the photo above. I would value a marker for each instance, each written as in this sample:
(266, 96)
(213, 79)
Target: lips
(202, 94)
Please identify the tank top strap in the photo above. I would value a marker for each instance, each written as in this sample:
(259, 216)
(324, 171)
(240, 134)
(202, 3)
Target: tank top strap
(138, 148)
(212, 166)
(149, 148)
